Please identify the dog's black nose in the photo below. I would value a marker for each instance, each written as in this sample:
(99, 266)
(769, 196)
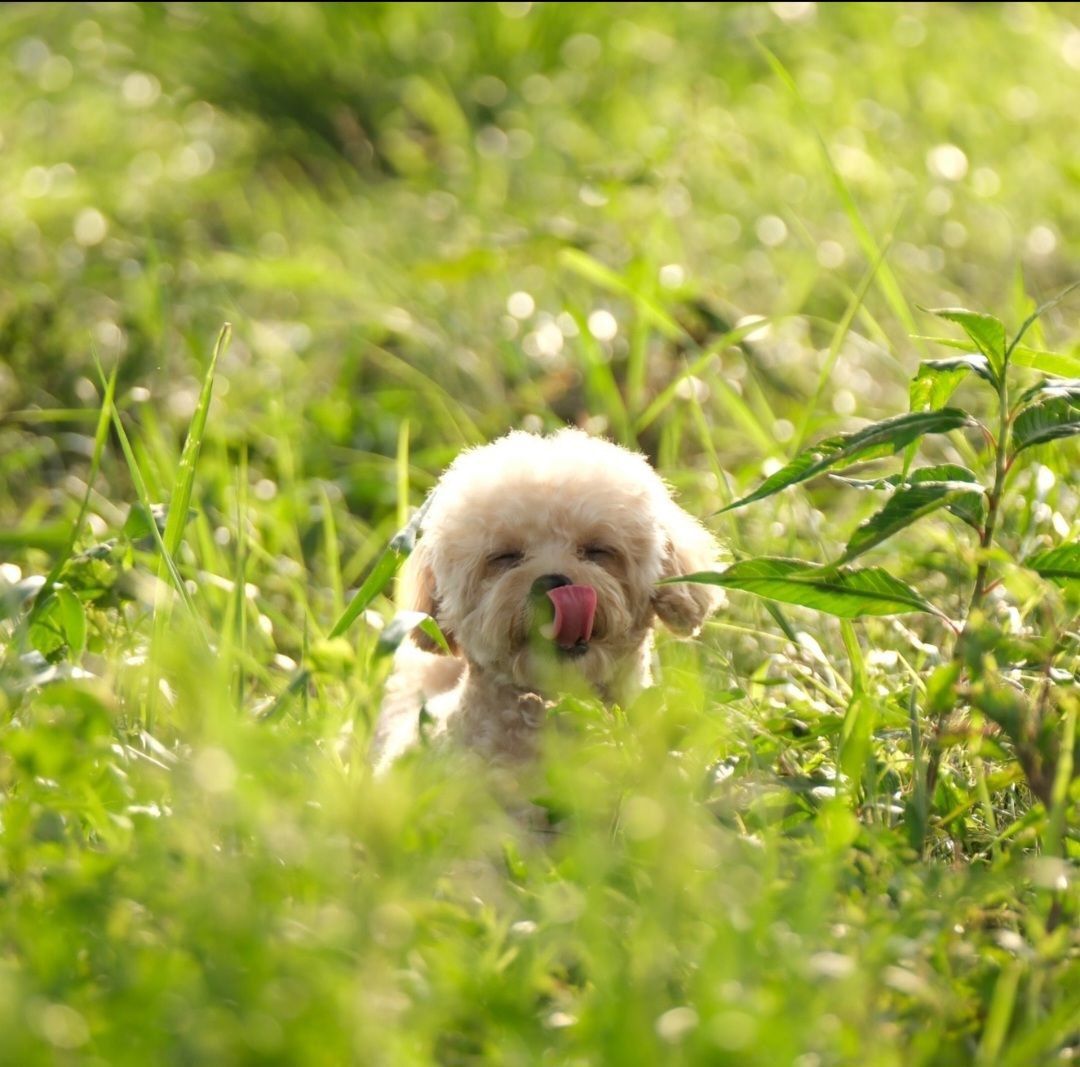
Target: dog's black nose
(549, 581)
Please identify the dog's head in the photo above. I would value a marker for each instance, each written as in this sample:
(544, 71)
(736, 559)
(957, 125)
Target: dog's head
(537, 551)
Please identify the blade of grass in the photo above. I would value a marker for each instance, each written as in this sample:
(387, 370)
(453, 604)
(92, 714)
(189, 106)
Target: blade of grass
(180, 499)
(843, 327)
(743, 415)
(693, 368)
(600, 385)
(101, 435)
(401, 473)
(591, 269)
(920, 802)
(884, 276)
(464, 428)
(1036, 315)
(240, 589)
(143, 495)
(51, 538)
(860, 719)
(333, 552)
(1002, 1003)
(378, 578)
(36, 415)
(736, 534)
(1063, 776)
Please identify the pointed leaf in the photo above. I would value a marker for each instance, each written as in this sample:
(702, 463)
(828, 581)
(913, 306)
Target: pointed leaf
(403, 624)
(1050, 387)
(970, 508)
(968, 504)
(591, 269)
(907, 505)
(1059, 364)
(939, 472)
(1057, 416)
(50, 537)
(937, 379)
(189, 458)
(101, 436)
(961, 343)
(859, 720)
(1036, 315)
(46, 630)
(72, 617)
(138, 523)
(878, 439)
(1060, 565)
(378, 579)
(838, 591)
(404, 541)
(986, 332)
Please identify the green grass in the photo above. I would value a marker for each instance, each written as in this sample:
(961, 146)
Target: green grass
(818, 841)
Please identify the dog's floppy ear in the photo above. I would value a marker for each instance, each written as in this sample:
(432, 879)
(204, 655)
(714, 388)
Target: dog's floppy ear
(418, 593)
(688, 548)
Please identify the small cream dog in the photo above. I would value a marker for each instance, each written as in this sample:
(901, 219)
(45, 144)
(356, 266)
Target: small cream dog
(539, 558)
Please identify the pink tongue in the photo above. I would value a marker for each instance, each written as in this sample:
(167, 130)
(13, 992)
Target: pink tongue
(575, 609)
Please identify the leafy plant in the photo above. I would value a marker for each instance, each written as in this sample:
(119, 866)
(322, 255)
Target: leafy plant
(1024, 683)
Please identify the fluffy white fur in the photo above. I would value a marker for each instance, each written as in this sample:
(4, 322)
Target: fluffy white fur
(567, 504)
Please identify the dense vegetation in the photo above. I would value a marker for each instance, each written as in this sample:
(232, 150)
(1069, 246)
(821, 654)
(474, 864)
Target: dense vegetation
(844, 827)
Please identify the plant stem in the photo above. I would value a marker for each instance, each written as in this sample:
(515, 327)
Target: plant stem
(1001, 468)
(982, 573)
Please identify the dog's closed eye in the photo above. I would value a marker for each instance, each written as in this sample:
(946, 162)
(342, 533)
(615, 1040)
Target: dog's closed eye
(597, 553)
(503, 561)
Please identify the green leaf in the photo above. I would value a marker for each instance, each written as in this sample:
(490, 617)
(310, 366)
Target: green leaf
(838, 591)
(1059, 364)
(46, 630)
(189, 458)
(858, 728)
(138, 523)
(141, 491)
(941, 689)
(592, 270)
(907, 505)
(50, 537)
(986, 332)
(1036, 315)
(1060, 565)
(1050, 387)
(404, 541)
(379, 577)
(377, 580)
(402, 624)
(738, 408)
(939, 472)
(1054, 417)
(937, 379)
(91, 574)
(946, 342)
(886, 281)
(969, 503)
(878, 439)
(101, 435)
(72, 617)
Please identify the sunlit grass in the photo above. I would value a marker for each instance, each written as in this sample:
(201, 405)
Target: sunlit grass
(704, 230)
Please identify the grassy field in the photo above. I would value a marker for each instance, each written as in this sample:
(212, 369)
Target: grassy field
(709, 231)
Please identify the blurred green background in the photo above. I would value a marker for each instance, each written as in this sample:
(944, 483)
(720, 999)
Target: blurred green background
(427, 224)
(361, 189)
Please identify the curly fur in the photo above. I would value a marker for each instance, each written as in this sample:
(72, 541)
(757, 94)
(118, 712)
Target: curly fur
(550, 499)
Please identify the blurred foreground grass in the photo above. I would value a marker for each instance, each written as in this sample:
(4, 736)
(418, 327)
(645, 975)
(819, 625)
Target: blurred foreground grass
(428, 224)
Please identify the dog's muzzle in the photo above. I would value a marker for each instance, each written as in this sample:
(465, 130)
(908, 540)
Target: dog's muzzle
(575, 612)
